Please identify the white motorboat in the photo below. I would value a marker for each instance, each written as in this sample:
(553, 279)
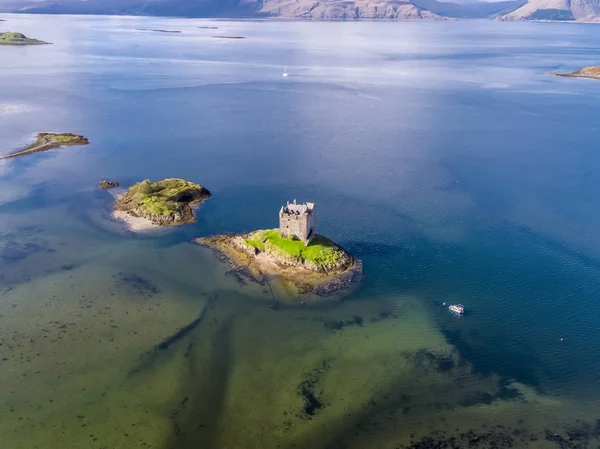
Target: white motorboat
(457, 308)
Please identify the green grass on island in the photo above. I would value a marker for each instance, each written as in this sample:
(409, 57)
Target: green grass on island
(321, 251)
(12, 38)
(163, 197)
(60, 139)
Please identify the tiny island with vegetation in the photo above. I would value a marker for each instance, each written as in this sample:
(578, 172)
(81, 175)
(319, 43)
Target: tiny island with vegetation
(12, 38)
(306, 263)
(162, 203)
(586, 72)
(158, 30)
(50, 141)
(228, 37)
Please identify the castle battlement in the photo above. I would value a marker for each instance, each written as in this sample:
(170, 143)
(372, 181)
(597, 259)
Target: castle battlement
(297, 221)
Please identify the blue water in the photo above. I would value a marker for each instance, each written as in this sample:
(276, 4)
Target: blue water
(442, 154)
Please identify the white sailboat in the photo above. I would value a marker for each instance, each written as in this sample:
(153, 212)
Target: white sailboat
(285, 72)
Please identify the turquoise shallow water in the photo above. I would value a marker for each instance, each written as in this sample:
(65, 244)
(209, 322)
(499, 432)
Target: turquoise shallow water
(441, 154)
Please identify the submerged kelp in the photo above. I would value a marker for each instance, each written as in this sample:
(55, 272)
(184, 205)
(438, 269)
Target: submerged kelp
(319, 386)
(194, 379)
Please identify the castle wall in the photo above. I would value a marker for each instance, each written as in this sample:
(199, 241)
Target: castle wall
(300, 226)
(310, 225)
(293, 225)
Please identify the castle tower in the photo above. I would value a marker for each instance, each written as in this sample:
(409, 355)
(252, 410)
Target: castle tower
(297, 221)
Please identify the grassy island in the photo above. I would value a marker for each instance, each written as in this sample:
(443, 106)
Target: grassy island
(164, 203)
(321, 254)
(12, 38)
(586, 72)
(321, 268)
(50, 141)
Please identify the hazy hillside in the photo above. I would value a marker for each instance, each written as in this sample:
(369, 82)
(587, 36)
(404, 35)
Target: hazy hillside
(582, 10)
(323, 9)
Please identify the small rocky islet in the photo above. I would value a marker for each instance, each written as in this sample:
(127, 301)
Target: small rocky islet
(49, 141)
(586, 72)
(159, 30)
(105, 184)
(12, 38)
(163, 203)
(321, 268)
(304, 262)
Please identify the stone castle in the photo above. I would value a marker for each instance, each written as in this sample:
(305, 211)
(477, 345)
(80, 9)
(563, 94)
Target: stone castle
(297, 221)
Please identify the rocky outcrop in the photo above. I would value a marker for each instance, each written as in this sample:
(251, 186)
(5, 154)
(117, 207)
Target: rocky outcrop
(164, 203)
(103, 184)
(586, 72)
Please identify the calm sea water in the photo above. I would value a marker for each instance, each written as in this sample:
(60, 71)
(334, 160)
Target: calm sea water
(442, 154)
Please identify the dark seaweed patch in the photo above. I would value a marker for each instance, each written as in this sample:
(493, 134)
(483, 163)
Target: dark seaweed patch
(312, 399)
(338, 325)
(383, 316)
(311, 403)
(68, 267)
(578, 436)
(237, 276)
(137, 284)
(505, 392)
(181, 333)
(425, 360)
(14, 252)
(148, 359)
(497, 438)
(195, 419)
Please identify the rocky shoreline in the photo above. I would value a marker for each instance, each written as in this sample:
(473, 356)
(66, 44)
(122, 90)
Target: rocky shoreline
(298, 277)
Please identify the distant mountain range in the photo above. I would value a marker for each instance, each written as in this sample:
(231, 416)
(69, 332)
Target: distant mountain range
(560, 10)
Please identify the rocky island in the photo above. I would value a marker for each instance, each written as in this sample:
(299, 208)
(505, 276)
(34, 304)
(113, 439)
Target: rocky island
(304, 262)
(104, 184)
(49, 141)
(586, 72)
(12, 38)
(162, 203)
